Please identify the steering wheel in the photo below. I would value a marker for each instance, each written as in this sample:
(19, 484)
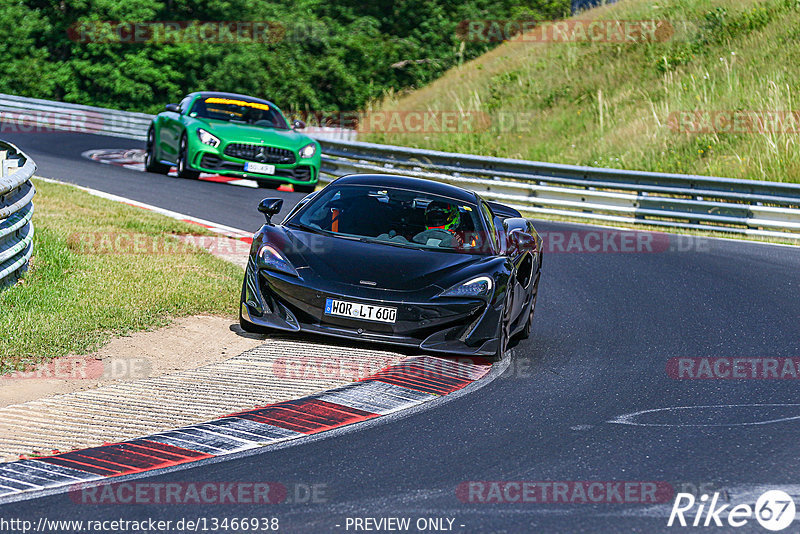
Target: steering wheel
(443, 236)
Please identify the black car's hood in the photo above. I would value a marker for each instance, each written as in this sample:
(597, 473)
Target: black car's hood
(353, 262)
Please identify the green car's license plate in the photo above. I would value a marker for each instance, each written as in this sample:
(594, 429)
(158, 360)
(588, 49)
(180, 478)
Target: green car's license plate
(259, 168)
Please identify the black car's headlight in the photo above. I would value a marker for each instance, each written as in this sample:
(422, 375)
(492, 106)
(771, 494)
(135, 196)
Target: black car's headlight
(476, 287)
(207, 138)
(308, 151)
(270, 258)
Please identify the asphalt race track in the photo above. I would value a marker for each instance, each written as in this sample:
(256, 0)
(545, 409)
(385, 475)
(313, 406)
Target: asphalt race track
(58, 155)
(606, 326)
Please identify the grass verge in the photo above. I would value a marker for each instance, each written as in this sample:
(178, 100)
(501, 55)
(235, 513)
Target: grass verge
(74, 299)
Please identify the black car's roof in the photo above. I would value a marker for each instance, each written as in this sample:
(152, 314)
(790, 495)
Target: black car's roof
(219, 94)
(406, 182)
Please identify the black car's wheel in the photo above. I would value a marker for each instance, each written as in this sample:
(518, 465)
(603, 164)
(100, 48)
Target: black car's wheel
(151, 164)
(183, 170)
(305, 188)
(502, 345)
(526, 331)
(502, 337)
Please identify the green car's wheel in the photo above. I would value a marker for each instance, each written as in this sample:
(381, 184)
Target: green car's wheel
(183, 170)
(151, 164)
(305, 188)
(268, 184)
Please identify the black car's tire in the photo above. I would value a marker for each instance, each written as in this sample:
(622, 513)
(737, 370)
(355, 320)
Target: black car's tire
(305, 188)
(503, 338)
(183, 170)
(502, 346)
(526, 331)
(151, 164)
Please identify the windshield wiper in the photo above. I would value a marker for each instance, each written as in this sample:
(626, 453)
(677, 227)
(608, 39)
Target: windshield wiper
(307, 228)
(386, 242)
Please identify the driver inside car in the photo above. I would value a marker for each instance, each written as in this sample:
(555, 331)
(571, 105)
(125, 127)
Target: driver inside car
(442, 219)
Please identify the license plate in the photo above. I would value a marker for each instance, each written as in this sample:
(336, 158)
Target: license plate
(366, 312)
(259, 168)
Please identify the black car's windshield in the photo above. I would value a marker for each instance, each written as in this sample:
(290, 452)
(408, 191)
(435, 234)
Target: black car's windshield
(238, 110)
(396, 217)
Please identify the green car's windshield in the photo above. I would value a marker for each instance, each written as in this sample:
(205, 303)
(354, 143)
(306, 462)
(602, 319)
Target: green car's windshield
(238, 110)
(396, 217)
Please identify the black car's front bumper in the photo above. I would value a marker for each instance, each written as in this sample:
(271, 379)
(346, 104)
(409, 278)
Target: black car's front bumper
(465, 326)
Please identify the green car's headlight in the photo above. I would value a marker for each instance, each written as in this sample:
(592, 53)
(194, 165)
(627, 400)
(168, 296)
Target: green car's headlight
(207, 138)
(308, 151)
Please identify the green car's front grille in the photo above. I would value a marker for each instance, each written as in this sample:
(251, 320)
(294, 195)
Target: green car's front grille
(303, 173)
(260, 153)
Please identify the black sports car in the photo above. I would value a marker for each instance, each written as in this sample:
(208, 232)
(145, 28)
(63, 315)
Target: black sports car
(397, 260)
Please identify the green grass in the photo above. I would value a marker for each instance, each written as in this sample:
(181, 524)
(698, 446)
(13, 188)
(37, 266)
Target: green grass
(72, 301)
(609, 105)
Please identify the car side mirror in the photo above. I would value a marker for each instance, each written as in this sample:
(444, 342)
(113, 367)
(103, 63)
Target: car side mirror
(521, 241)
(297, 124)
(173, 107)
(270, 207)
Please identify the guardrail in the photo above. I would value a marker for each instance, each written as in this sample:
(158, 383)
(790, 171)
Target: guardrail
(734, 206)
(25, 114)
(745, 207)
(28, 113)
(16, 211)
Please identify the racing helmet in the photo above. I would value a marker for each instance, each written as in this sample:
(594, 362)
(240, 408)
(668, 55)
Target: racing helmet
(444, 215)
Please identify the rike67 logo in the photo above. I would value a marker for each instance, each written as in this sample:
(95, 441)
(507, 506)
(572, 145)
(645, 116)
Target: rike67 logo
(774, 510)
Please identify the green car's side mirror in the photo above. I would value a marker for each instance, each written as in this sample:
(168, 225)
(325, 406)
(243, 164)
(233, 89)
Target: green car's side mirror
(270, 207)
(297, 124)
(173, 107)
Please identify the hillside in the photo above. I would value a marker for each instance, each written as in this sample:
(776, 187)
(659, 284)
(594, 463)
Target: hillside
(716, 96)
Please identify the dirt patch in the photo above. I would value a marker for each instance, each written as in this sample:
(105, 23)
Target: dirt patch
(187, 343)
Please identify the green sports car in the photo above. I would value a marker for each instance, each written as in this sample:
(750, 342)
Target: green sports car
(232, 135)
